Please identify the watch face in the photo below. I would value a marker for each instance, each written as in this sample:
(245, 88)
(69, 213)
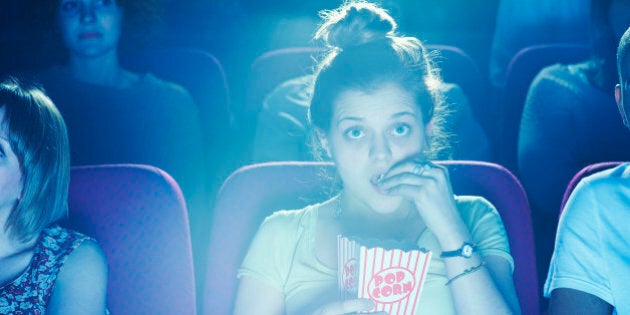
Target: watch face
(467, 250)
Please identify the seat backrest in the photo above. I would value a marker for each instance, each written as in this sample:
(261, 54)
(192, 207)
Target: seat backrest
(584, 172)
(197, 71)
(202, 75)
(276, 66)
(456, 66)
(271, 69)
(138, 216)
(253, 192)
(521, 71)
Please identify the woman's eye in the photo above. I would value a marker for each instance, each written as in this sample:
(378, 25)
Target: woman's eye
(401, 130)
(354, 133)
(105, 3)
(70, 7)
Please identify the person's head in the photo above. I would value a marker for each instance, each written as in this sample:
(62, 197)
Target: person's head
(375, 99)
(94, 27)
(622, 89)
(90, 28)
(33, 136)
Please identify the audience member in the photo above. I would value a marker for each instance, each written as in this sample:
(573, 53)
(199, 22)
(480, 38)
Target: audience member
(376, 110)
(570, 121)
(43, 266)
(590, 268)
(118, 116)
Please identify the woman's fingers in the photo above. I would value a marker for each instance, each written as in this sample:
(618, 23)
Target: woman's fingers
(414, 175)
(427, 185)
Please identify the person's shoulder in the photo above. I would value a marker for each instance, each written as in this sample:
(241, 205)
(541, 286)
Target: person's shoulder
(552, 74)
(607, 180)
(80, 247)
(82, 278)
(475, 208)
(558, 85)
(563, 69)
(564, 74)
(472, 201)
(474, 205)
(598, 193)
(285, 218)
(284, 225)
(88, 255)
(161, 87)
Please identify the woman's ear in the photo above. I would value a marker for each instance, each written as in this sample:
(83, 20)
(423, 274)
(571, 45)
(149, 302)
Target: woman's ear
(323, 141)
(618, 93)
(621, 105)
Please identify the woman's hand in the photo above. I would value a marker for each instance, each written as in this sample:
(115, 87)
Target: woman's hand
(347, 306)
(428, 186)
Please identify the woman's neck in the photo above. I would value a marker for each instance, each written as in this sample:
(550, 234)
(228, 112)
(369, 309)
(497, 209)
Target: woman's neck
(103, 70)
(403, 224)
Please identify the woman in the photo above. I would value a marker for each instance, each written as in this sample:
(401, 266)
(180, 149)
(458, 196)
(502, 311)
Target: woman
(43, 266)
(118, 116)
(375, 110)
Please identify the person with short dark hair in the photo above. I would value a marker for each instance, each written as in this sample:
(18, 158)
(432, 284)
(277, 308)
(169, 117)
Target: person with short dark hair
(569, 121)
(44, 268)
(590, 267)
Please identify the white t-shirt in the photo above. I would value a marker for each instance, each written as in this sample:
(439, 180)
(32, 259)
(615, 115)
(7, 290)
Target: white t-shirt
(283, 255)
(592, 252)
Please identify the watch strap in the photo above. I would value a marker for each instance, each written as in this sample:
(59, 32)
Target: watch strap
(466, 251)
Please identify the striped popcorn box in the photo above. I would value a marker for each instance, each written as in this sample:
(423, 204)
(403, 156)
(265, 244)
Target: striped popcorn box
(348, 267)
(393, 279)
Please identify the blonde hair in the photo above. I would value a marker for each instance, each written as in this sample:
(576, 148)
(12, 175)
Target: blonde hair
(37, 134)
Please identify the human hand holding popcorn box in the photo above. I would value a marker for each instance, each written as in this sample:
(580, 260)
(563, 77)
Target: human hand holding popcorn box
(393, 279)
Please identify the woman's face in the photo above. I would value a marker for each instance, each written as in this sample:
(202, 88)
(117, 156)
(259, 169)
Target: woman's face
(10, 173)
(90, 28)
(370, 131)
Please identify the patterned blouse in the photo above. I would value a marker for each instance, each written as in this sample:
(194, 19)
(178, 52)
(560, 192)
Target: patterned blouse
(30, 292)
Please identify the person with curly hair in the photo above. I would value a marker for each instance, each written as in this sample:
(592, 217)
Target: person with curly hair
(376, 112)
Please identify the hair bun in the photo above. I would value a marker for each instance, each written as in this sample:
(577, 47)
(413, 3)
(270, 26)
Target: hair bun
(355, 24)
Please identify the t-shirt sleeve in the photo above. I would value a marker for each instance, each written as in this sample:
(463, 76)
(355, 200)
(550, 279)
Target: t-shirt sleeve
(486, 229)
(577, 262)
(271, 252)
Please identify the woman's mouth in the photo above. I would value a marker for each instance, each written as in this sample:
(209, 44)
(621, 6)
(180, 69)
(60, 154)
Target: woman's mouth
(90, 35)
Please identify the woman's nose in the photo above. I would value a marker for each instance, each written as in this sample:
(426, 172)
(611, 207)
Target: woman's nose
(88, 13)
(380, 149)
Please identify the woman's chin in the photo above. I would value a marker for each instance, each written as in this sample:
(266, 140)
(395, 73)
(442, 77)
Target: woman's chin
(386, 205)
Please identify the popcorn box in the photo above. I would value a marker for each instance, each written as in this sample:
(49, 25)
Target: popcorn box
(393, 279)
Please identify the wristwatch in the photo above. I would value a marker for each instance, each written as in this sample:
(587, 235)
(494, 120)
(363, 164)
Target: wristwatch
(465, 251)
